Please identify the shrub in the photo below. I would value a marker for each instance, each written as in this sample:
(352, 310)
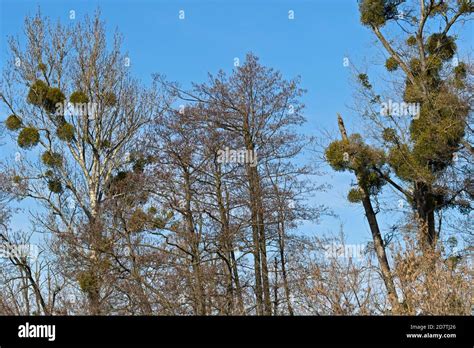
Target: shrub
(78, 97)
(105, 144)
(87, 281)
(434, 65)
(355, 195)
(13, 123)
(460, 72)
(55, 186)
(16, 179)
(28, 137)
(37, 93)
(466, 6)
(138, 221)
(412, 93)
(110, 99)
(424, 279)
(52, 159)
(411, 41)
(391, 64)
(372, 12)
(335, 154)
(439, 9)
(53, 97)
(65, 132)
(377, 12)
(441, 45)
(415, 66)
(364, 80)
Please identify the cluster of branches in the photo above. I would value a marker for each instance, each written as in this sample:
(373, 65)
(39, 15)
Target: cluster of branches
(424, 156)
(145, 210)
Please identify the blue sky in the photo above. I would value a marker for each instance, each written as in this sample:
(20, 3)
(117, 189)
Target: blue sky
(213, 33)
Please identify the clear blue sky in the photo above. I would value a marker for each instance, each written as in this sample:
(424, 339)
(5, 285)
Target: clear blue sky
(213, 33)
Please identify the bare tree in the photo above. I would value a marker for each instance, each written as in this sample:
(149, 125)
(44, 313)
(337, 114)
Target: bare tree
(84, 141)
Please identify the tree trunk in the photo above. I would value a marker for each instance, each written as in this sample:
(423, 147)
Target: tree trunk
(258, 228)
(424, 203)
(281, 244)
(196, 259)
(376, 236)
(380, 251)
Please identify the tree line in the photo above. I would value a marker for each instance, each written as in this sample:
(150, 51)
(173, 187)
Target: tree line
(187, 201)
